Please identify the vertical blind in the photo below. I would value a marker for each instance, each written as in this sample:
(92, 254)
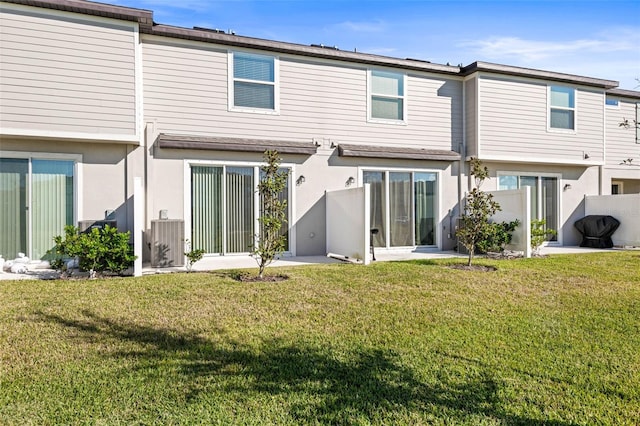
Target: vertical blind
(51, 203)
(400, 220)
(240, 209)
(48, 205)
(223, 216)
(283, 197)
(425, 196)
(206, 208)
(410, 207)
(378, 206)
(13, 206)
(549, 198)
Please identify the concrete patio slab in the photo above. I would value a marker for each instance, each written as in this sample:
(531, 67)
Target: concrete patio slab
(213, 263)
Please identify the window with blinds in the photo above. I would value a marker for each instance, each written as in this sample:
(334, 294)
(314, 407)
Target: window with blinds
(225, 208)
(37, 202)
(403, 207)
(562, 108)
(254, 82)
(387, 96)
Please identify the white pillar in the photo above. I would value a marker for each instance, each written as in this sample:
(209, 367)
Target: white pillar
(138, 224)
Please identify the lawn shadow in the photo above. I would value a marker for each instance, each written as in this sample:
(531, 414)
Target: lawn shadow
(335, 388)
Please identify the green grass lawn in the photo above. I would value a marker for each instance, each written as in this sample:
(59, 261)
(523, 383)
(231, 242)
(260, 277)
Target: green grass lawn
(539, 341)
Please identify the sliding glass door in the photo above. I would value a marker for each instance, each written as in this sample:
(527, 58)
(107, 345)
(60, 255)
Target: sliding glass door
(206, 211)
(544, 196)
(13, 206)
(425, 208)
(378, 212)
(240, 213)
(224, 208)
(36, 203)
(403, 208)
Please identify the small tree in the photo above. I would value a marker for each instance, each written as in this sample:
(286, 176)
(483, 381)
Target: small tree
(479, 207)
(273, 212)
(192, 255)
(539, 234)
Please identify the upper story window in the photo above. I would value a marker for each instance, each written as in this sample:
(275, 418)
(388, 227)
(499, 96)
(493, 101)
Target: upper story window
(387, 96)
(254, 82)
(611, 102)
(562, 108)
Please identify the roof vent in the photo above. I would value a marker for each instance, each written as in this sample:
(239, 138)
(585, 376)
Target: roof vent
(325, 47)
(211, 30)
(417, 60)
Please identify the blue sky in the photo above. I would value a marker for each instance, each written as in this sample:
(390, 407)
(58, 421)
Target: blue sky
(584, 37)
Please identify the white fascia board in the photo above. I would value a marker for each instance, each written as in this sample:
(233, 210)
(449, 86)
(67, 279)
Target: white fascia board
(71, 136)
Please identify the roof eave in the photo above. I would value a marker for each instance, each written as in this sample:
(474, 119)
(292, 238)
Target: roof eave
(624, 93)
(299, 49)
(535, 73)
(142, 16)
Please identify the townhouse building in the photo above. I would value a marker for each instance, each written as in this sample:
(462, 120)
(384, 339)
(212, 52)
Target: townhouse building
(108, 115)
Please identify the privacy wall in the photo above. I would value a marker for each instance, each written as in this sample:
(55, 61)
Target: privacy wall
(625, 208)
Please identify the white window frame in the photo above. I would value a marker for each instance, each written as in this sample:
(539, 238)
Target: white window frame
(438, 202)
(370, 95)
(574, 109)
(77, 182)
(256, 170)
(539, 175)
(275, 84)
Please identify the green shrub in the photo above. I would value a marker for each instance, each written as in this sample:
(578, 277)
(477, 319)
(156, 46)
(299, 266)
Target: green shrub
(539, 234)
(193, 255)
(66, 247)
(496, 236)
(97, 251)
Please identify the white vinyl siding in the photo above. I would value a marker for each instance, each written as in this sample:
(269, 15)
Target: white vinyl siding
(471, 116)
(185, 90)
(513, 116)
(387, 96)
(65, 73)
(622, 143)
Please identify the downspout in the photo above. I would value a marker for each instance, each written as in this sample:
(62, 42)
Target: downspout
(462, 147)
(604, 147)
